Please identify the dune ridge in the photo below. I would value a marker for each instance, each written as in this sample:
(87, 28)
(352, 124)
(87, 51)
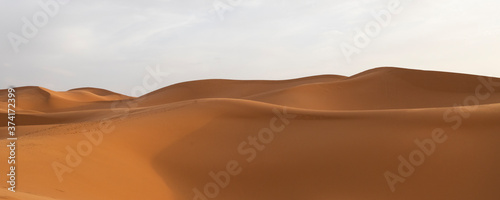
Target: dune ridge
(333, 137)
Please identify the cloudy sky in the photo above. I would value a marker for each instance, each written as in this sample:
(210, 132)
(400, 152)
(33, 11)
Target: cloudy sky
(115, 44)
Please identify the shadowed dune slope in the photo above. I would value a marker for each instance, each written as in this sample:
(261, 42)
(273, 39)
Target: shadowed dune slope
(318, 138)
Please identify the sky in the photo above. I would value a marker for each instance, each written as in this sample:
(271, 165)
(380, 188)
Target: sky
(123, 45)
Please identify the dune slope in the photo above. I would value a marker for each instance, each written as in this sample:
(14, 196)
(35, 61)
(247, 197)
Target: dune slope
(323, 137)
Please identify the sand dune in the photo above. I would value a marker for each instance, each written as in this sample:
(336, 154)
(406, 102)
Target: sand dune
(224, 89)
(381, 88)
(38, 99)
(322, 137)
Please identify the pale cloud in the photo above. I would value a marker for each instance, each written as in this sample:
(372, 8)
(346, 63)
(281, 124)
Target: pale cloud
(59, 71)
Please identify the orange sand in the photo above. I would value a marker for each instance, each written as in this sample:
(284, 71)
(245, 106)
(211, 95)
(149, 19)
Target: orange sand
(334, 138)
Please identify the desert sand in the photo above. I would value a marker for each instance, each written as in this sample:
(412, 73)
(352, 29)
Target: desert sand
(324, 137)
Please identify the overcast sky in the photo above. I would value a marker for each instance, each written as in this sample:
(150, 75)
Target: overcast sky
(110, 43)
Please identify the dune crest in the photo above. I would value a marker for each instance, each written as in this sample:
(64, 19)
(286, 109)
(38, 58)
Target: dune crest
(320, 137)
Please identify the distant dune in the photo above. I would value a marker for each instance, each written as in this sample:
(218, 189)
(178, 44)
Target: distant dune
(324, 137)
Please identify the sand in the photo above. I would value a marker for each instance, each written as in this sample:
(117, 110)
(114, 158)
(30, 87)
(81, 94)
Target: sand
(318, 138)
